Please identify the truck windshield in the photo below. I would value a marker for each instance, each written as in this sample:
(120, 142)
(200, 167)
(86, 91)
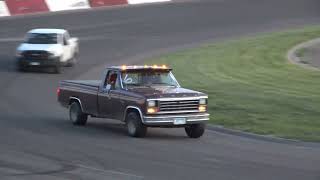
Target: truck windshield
(148, 78)
(36, 38)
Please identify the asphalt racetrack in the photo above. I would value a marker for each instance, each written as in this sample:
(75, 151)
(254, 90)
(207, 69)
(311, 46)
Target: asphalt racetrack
(38, 142)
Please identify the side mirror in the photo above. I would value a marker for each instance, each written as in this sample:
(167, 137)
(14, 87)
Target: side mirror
(108, 87)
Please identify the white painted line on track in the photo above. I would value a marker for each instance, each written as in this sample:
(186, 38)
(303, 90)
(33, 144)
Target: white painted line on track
(62, 5)
(106, 171)
(146, 1)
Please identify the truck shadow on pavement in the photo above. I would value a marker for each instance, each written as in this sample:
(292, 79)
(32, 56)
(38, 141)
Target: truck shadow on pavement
(95, 129)
(7, 63)
(105, 128)
(119, 129)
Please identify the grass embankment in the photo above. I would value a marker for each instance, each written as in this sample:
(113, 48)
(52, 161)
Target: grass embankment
(252, 86)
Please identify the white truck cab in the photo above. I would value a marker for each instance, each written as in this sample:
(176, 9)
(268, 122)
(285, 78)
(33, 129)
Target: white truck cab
(47, 48)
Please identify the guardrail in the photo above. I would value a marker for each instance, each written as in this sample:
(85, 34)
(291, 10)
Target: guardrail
(15, 7)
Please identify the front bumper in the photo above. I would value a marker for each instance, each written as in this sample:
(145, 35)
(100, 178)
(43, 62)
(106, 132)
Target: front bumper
(171, 120)
(48, 62)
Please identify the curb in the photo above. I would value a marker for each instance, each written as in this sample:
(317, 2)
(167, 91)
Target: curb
(294, 59)
(267, 138)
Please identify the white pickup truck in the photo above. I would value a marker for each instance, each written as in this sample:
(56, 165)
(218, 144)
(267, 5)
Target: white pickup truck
(47, 48)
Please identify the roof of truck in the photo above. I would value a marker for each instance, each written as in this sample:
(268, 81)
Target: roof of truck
(140, 67)
(47, 31)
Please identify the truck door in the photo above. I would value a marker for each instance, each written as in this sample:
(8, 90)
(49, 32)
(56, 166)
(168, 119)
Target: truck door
(108, 96)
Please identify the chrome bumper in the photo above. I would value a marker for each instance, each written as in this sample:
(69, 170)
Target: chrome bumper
(168, 120)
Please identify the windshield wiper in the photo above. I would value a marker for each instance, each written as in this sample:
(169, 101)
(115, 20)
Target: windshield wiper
(136, 85)
(163, 84)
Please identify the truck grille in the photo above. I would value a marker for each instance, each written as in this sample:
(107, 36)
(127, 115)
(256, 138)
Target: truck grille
(35, 55)
(179, 106)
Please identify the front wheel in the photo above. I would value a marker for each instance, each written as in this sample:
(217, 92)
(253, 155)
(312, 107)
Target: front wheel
(20, 68)
(76, 115)
(73, 60)
(135, 127)
(195, 130)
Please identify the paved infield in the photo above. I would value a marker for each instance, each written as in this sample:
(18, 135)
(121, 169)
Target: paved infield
(312, 55)
(38, 142)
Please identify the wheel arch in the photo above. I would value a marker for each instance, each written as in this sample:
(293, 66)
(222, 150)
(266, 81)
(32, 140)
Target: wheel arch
(133, 109)
(75, 99)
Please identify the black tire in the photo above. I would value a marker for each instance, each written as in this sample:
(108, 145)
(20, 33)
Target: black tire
(134, 125)
(72, 61)
(195, 130)
(76, 116)
(57, 69)
(20, 68)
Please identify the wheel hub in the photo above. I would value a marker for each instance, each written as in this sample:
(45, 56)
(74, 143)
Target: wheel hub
(131, 127)
(73, 114)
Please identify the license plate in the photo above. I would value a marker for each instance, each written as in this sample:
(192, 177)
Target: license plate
(179, 121)
(34, 63)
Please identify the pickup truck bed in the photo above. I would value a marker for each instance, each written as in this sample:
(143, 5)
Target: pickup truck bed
(89, 83)
(86, 90)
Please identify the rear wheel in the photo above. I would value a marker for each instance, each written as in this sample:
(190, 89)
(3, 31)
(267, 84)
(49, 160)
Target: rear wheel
(135, 127)
(195, 130)
(57, 69)
(76, 115)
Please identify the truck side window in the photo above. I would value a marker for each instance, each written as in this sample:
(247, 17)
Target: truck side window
(60, 39)
(106, 80)
(65, 41)
(67, 35)
(112, 81)
(117, 85)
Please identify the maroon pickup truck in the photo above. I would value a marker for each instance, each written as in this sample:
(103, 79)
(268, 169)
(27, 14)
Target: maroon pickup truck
(140, 96)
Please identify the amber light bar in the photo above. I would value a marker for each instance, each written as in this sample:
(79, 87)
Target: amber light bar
(155, 66)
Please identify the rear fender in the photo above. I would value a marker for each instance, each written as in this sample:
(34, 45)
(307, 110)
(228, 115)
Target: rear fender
(75, 99)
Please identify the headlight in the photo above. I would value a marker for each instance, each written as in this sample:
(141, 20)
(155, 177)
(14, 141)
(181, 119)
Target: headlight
(152, 107)
(202, 108)
(152, 110)
(203, 101)
(151, 103)
(53, 54)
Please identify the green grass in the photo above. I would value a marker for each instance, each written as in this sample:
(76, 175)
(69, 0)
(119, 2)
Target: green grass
(252, 86)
